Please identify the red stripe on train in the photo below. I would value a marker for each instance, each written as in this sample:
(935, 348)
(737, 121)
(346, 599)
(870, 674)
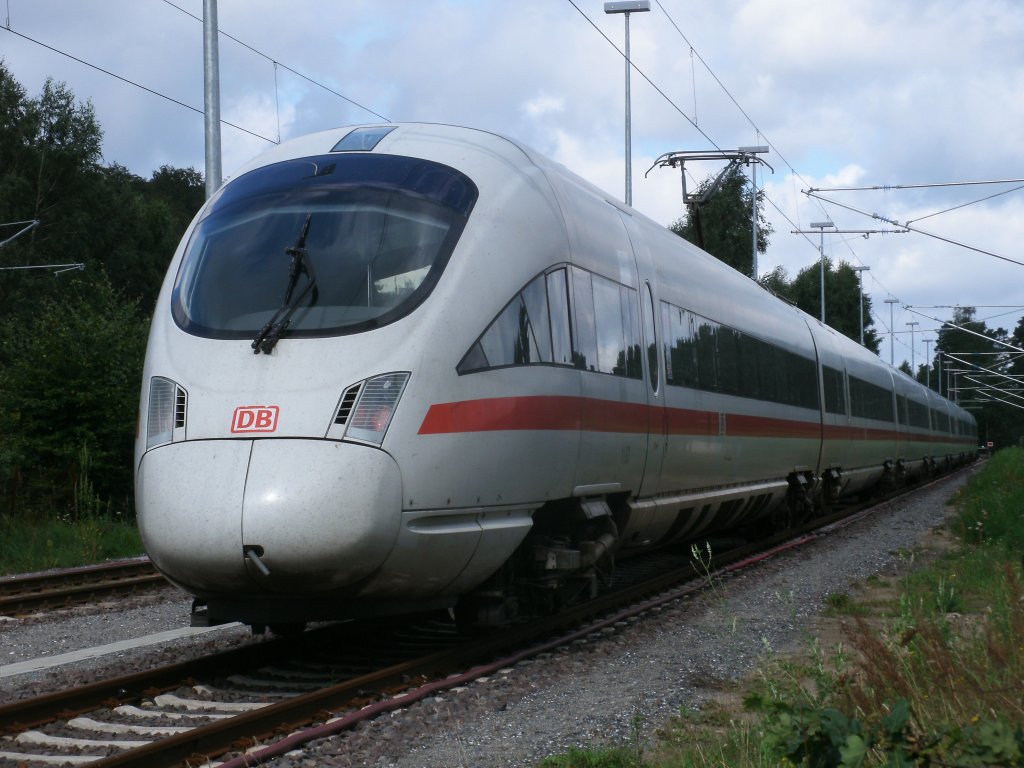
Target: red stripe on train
(559, 413)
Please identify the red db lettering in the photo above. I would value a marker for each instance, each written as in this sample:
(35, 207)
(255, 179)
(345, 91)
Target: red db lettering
(255, 418)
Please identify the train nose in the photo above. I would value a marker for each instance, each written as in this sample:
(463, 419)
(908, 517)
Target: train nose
(276, 515)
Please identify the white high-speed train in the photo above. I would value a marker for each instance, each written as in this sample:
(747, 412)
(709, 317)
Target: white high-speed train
(395, 367)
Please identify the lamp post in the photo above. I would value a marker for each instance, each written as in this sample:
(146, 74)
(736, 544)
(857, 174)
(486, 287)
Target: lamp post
(627, 7)
(820, 226)
(890, 302)
(928, 363)
(860, 282)
(913, 361)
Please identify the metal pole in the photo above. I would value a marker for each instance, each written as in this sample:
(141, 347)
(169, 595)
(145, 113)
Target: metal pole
(913, 359)
(860, 282)
(821, 247)
(890, 302)
(928, 363)
(820, 225)
(211, 96)
(629, 133)
(626, 7)
(753, 211)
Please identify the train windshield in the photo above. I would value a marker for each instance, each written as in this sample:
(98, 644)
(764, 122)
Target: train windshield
(375, 233)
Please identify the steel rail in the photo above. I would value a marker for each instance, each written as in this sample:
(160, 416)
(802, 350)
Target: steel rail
(30, 591)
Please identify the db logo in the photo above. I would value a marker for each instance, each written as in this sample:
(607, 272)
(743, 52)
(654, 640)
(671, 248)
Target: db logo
(255, 418)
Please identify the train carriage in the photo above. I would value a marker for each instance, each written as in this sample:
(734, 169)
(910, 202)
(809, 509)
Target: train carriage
(395, 367)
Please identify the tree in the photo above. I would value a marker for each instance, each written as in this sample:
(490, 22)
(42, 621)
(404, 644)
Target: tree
(842, 296)
(71, 346)
(975, 369)
(724, 220)
(71, 383)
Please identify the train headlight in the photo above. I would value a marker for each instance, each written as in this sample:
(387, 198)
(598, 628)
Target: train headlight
(367, 408)
(167, 406)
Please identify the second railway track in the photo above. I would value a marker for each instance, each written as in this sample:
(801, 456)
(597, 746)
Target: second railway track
(26, 593)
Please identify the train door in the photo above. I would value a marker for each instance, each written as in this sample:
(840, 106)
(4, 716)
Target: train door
(657, 435)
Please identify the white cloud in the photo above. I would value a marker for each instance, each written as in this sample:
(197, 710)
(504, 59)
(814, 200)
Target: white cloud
(543, 105)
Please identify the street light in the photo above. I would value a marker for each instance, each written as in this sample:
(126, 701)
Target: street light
(890, 302)
(860, 281)
(913, 362)
(627, 7)
(821, 225)
(928, 363)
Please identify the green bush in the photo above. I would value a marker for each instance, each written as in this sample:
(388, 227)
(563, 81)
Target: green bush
(69, 389)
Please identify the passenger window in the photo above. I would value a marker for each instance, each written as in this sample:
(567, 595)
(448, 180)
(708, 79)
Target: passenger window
(707, 354)
(534, 327)
(535, 304)
(558, 307)
(729, 363)
(585, 356)
(611, 340)
(835, 401)
(681, 346)
(652, 344)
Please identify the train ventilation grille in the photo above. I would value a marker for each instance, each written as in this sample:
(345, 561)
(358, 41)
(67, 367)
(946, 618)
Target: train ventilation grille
(180, 402)
(348, 401)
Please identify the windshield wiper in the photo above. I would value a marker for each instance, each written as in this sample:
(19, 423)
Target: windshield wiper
(271, 332)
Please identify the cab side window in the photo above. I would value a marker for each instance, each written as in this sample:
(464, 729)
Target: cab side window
(521, 334)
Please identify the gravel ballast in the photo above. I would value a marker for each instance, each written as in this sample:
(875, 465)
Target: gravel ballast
(598, 694)
(595, 694)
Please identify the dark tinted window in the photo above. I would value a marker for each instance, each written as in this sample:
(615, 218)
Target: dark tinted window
(703, 354)
(902, 412)
(870, 401)
(652, 344)
(680, 346)
(558, 313)
(707, 353)
(607, 333)
(835, 392)
(611, 331)
(918, 413)
(585, 327)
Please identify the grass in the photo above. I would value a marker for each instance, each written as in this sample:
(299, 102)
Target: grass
(930, 673)
(38, 544)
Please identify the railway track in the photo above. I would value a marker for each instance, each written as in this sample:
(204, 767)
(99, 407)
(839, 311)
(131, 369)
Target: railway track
(286, 692)
(27, 593)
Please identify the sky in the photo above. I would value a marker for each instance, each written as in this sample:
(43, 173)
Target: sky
(846, 93)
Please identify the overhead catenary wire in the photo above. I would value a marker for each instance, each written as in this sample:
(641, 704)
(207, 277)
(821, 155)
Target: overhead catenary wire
(131, 82)
(277, 63)
(643, 74)
(907, 226)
